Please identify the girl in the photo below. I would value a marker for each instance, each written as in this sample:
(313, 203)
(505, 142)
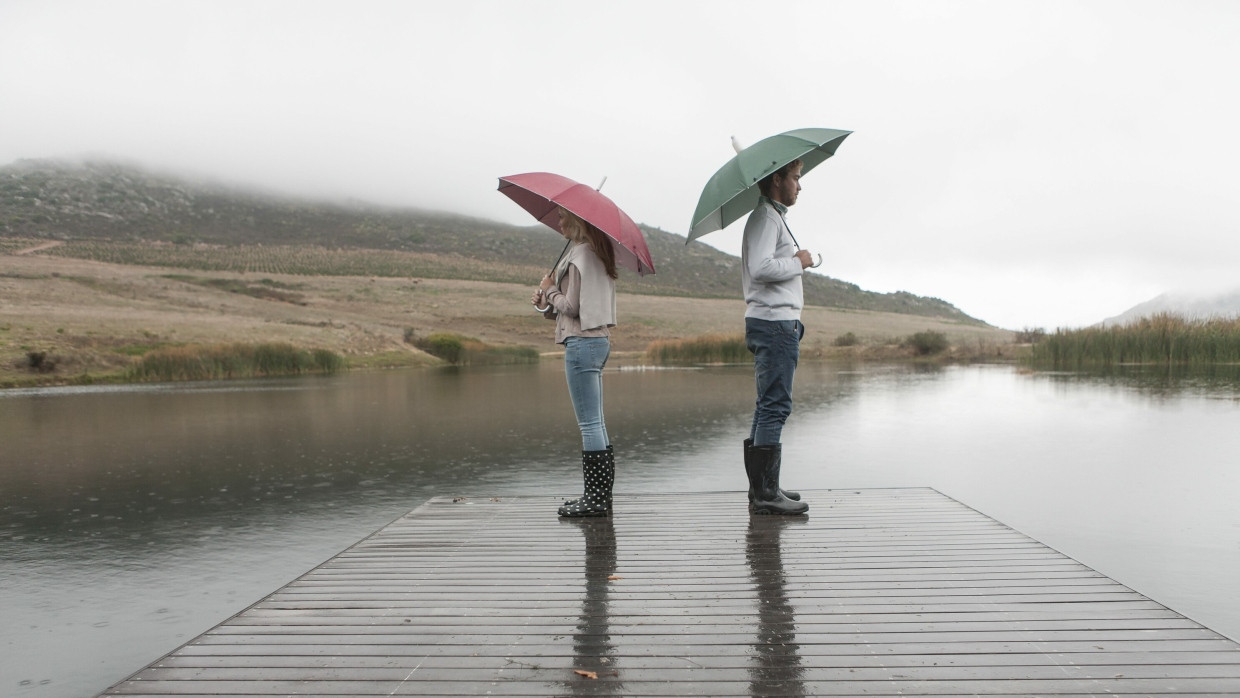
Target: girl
(580, 295)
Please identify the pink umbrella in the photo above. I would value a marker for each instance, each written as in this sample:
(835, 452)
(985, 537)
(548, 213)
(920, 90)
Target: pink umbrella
(541, 193)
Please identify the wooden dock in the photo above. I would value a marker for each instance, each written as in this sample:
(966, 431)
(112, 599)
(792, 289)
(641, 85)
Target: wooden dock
(878, 592)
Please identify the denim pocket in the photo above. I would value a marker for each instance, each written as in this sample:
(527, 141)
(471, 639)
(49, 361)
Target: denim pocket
(587, 353)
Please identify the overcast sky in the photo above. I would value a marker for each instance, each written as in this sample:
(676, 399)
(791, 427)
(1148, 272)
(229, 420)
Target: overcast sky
(1038, 164)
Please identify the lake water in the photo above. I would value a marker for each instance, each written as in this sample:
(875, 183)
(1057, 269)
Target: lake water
(133, 519)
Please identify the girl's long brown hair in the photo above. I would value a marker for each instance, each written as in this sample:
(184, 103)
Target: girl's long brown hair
(581, 231)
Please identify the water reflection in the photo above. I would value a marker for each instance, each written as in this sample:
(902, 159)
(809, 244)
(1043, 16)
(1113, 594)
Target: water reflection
(129, 463)
(1160, 383)
(132, 520)
(593, 649)
(776, 663)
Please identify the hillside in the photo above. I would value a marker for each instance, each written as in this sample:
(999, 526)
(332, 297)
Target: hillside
(1224, 304)
(128, 208)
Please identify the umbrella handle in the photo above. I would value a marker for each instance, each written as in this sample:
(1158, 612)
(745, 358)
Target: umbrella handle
(542, 310)
(817, 263)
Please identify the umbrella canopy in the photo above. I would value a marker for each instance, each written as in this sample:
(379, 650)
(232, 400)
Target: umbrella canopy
(541, 193)
(733, 191)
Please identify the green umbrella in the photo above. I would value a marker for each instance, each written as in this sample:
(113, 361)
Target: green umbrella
(733, 191)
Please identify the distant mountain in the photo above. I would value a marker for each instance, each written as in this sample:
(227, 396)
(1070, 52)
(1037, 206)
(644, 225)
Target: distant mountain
(102, 200)
(1224, 304)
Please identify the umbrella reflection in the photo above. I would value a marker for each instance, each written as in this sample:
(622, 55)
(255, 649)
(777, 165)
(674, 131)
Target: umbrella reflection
(593, 649)
(776, 668)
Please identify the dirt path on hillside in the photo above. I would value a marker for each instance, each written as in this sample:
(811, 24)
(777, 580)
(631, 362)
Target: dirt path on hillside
(40, 247)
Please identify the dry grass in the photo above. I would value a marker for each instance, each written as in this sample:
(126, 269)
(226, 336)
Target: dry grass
(1162, 339)
(191, 362)
(704, 349)
(95, 319)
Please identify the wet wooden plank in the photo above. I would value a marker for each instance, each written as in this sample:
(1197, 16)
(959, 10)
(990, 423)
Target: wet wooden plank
(878, 592)
(1152, 661)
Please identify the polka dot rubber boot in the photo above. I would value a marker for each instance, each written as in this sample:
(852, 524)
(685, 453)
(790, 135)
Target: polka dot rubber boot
(598, 469)
(609, 472)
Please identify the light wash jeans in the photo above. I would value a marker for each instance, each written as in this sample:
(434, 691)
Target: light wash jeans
(584, 359)
(776, 346)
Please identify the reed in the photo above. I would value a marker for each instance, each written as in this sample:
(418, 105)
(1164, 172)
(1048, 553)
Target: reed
(703, 349)
(460, 350)
(193, 362)
(1160, 339)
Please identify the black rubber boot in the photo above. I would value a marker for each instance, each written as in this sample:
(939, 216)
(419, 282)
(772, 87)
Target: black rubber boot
(598, 469)
(765, 478)
(794, 496)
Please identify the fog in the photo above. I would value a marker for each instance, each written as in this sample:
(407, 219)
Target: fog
(1038, 164)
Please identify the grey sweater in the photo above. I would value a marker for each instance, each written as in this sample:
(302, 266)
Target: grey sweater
(770, 274)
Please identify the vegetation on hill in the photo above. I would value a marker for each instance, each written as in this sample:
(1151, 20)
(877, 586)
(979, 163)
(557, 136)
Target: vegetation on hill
(112, 212)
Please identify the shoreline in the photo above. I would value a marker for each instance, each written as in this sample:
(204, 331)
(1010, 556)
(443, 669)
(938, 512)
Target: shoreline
(1018, 354)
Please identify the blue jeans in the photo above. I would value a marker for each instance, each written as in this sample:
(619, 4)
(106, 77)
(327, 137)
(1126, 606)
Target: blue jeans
(584, 359)
(776, 346)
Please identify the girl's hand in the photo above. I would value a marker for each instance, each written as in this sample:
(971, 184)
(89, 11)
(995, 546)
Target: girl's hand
(537, 298)
(546, 283)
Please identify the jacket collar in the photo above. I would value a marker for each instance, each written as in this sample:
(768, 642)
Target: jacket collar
(783, 210)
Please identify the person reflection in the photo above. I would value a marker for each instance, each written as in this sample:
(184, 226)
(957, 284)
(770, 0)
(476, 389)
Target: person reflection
(593, 650)
(776, 663)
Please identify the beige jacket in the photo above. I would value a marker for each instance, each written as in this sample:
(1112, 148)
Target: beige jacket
(583, 301)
